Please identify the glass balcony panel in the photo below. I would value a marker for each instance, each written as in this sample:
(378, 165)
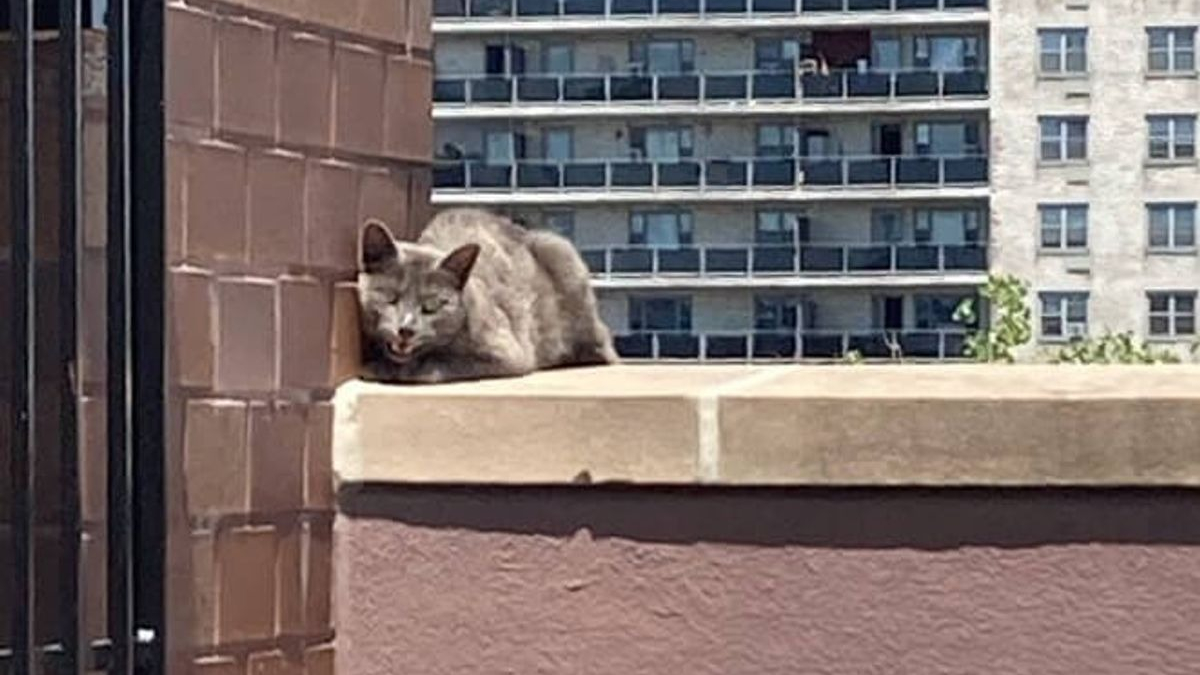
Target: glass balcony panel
(869, 258)
(594, 259)
(449, 91)
(726, 260)
(775, 172)
(965, 83)
(679, 87)
(868, 85)
(583, 7)
(533, 89)
(917, 258)
(491, 90)
(816, 85)
(631, 87)
(725, 173)
(450, 176)
(726, 347)
(822, 171)
(872, 171)
(725, 87)
(919, 83)
(774, 346)
(491, 7)
(538, 175)
(775, 259)
(449, 8)
(966, 169)
(632, 174)
(679, 260)
(632, 6)
(967, 257)
(587, 88)
(678, 346)
(584, 175)
(634, 346)
(490, 175)
(679, 174)
(917, 170)
(632, 261)
(537, 7)
(774, 85)
(822, 259)
(821, 345)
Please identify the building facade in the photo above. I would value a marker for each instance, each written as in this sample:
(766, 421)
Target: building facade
(819, 178)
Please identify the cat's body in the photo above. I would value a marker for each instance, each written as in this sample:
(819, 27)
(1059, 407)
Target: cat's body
(476, 296)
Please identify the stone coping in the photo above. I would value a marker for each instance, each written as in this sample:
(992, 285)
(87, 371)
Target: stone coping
(959, 425)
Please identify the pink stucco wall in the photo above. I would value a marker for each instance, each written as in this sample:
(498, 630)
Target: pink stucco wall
(632, 582)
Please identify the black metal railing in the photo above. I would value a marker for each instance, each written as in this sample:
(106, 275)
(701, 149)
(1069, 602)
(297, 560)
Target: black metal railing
(42, 527)
(807, 344)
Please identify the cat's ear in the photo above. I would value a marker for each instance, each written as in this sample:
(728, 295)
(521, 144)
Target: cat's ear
(377, 247)
(459, 263)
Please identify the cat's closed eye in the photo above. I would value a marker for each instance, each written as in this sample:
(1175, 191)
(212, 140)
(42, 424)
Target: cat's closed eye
(432, 305)
(387, 296)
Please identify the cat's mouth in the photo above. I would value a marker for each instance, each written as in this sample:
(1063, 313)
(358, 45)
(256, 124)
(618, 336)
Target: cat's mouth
(399, 350)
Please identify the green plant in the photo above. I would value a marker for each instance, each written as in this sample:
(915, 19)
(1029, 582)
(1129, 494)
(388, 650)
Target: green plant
(1011, 322)
(852, 357)
(1113, 348)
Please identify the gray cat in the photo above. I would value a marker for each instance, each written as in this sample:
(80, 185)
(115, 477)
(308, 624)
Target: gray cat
(476, 296)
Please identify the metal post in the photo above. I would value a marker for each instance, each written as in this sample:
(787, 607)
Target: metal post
(24, 448)
(120, 479)
(70, 241)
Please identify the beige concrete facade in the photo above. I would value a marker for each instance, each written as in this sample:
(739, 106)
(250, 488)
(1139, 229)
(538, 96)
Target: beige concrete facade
(1116, 181)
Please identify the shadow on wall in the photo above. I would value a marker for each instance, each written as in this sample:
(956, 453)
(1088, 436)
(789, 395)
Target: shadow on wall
(868, 518)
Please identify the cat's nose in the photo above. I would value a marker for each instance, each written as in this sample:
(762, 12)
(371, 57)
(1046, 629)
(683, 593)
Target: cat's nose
(405, 334)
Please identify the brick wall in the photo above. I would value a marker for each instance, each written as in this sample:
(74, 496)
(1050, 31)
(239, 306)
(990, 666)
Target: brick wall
(289, 123)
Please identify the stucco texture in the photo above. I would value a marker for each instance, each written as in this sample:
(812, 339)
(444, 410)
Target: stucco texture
(643, 581)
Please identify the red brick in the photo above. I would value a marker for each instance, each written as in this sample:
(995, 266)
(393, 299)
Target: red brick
(216, 203)
(93, 457)
(246, 564)
(276, 209)
(331, 207)
(246, 335)
(305, 86)
(304, 310)
(245, 79)
(383, 195)
(189, 63)
(276, 457)
(318, 660)
(420, 24)
(175, 178)
(192, 335)
(290, 592)
(409, 122)
(216, 665)
(318, 457)
(318, 585)
(345, 346)
(274, 663)
(215, 457)
(204, 589)
(360, 81)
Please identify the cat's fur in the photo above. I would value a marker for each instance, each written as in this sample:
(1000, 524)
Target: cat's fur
(476, 296)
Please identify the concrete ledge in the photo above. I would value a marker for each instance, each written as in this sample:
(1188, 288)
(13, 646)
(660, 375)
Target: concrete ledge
(782, 425)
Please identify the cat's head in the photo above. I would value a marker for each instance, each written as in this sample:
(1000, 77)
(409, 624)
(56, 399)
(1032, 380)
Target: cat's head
(411, 295)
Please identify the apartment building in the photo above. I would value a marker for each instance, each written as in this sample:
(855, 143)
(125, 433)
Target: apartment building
(782, 179)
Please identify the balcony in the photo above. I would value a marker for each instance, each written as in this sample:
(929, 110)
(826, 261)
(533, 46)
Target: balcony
(606, 9)
(724, 88)
(916, 344)
(774, 261)
(587, 178)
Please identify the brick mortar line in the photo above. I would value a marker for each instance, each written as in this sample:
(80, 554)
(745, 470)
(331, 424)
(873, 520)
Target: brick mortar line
(708, 419)
(277, 519)
(194, 136)
(244, 648)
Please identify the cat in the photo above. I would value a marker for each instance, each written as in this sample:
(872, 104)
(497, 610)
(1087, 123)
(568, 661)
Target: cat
(475, 296)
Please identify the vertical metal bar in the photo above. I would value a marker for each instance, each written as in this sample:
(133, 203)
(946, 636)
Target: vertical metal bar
(149, 336)
(120, 512)
(69, 243)
(23, 340)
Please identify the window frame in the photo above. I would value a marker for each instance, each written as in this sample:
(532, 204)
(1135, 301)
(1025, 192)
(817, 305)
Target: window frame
(1172, 51)
(1171, 139)
(685, 224)
(684, 311)
(1171, 209)
(1063, 302)
(1062, 51)
(1062, 138)
(1063, 212)
(1171, 314)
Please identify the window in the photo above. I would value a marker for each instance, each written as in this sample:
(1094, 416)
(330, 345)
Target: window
(887, 225)
(776, 54)
(775, 141)
(561, 223)
(663, 144)
(1064, 226)
(777, 227)
(946, 53)
(1172, 136)
(558, 59)
(660, 228)
(1172, 50)
(948, 139)
(1172, 226)
(1063, 50)
(503, 59)
(1064, 138)
(558, 145)
(503, 147)
(936, 312)
(663, 56)
(660, 314)
(1172, 314)
(1064, 315)
(775, 313)
(947, 226)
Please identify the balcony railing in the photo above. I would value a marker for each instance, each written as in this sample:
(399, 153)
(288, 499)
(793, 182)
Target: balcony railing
(603, 9)
(792, 346)
(719, 260)
(712, 174)
(722, 88)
